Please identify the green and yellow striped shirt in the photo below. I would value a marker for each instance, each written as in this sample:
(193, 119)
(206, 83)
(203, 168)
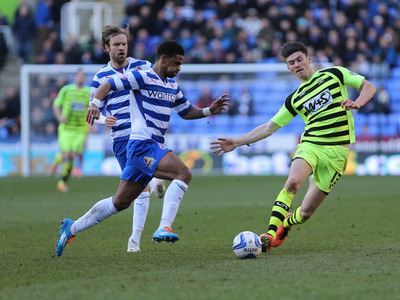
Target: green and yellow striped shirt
(74, 103)
(316, 101)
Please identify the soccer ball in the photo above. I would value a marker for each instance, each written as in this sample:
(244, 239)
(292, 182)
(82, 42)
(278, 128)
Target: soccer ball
(246, 244)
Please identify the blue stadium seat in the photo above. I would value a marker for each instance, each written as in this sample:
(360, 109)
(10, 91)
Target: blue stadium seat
(222, 121)
(395, 73)
(393, 84)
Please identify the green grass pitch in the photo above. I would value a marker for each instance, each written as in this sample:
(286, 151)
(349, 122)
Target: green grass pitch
(350, 249)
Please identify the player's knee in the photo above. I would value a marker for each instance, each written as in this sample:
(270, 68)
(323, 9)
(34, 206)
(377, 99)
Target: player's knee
(122, 203)
(293, 185)
(185, 175)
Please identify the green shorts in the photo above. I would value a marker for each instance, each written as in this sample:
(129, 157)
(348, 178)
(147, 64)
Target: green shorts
(71, 141)
(327, 162)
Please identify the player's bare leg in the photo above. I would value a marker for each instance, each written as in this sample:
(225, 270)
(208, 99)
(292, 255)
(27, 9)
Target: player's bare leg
(299, 171)
(171, 168)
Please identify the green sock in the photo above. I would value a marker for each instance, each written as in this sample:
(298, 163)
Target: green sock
(279, 211)
(66, 172)
(293, 219)
(57, 159)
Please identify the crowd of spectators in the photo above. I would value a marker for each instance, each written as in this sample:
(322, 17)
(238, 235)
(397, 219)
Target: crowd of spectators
(361, 35)
(346, 32)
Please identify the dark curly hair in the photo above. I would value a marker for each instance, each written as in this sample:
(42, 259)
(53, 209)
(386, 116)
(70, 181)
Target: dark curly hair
(170, 49)
(291, 47)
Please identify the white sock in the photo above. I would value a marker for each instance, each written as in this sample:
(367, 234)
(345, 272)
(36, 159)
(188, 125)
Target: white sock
(153, 184)
(140, 209)
(172, 200)
(100, 211)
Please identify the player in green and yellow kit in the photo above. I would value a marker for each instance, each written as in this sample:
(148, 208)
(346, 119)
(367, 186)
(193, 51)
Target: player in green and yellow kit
(323, 103)
(70, 108)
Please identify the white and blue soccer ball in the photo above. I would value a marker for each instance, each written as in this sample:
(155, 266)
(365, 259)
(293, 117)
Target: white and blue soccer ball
(246, 244)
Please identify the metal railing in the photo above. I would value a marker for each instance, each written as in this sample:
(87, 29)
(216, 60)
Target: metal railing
(81, 20)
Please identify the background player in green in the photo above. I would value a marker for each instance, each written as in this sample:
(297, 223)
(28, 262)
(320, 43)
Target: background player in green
(70, 108)
(323, 103)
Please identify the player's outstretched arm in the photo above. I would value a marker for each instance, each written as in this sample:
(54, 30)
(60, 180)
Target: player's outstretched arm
(219, 105)
(224, 145)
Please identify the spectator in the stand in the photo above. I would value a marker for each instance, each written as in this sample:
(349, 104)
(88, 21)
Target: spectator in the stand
(72, 51)
(132, 7)
(350, 51)
(206, 97)
(56, 12)
(60, 58)
(361, 65)
(248, 31)
(385, 50)
(316, 37)
(251, 23)
(10, 113)
(383, 101)
(267, 31)
(3, 19)
(372, 37)
(87, 58)
(245, 103)
(56, 42)
(99, 56)
(199, 51)
(13, 102)
(147, 18)
(216, 51)
(134, 23)
(44, 22)
(3, 50)
(48, 54)
(302, 30)
(25, 31)
(47, 108)
(3, 121)
(186, 39)
(160, 23)
(139, 50)
(143, 38)
(320, 57)
(333, 40)
(396, 33)
(379, 69)
(38, 124)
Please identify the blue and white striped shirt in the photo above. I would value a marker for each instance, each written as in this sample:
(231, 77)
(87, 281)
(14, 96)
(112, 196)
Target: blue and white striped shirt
(116, 103)
(150, 108)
